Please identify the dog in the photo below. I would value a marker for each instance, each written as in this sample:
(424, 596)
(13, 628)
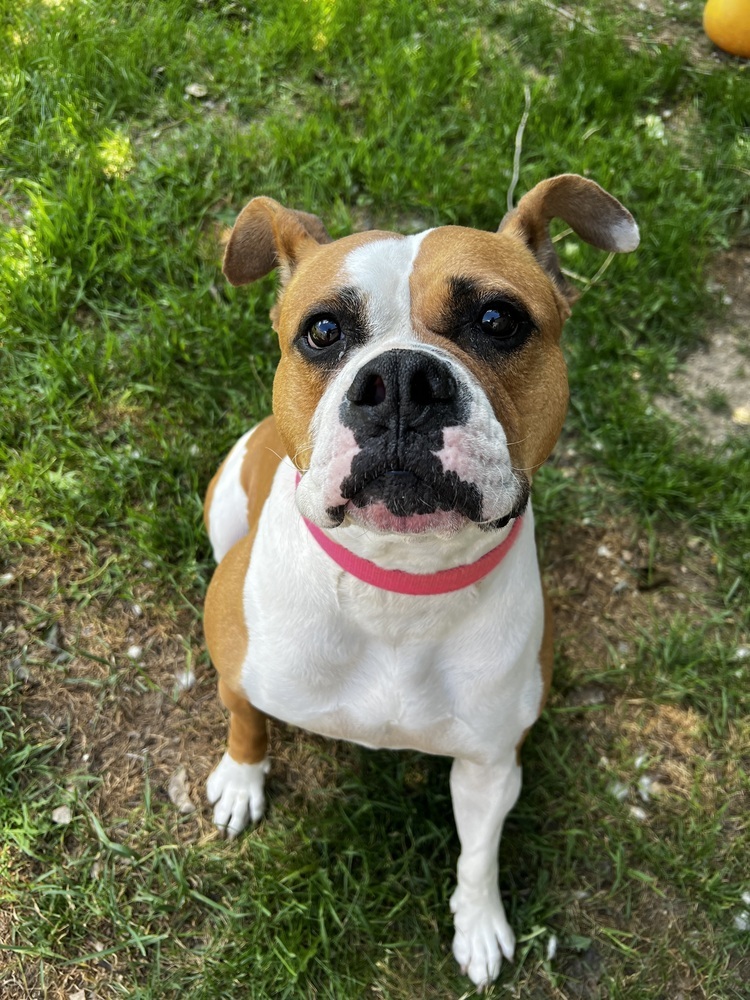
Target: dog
(377, 576)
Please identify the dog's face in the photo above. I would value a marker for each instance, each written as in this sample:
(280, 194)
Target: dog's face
(421, 380)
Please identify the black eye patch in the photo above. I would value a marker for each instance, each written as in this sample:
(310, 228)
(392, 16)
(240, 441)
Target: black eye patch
(483, 321)
(332, 326)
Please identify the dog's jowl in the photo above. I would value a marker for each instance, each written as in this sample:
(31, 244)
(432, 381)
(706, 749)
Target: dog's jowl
(377, 578)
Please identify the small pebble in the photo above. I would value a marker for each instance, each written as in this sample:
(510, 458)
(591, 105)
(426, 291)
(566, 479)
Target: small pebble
(742, 653)
(185, 680)
(551, 947)
(62, 815)
(604, 552)
(6, 578)
(589, 694)
(644, 787)
(137, 610)
(742, 921)
(637, 813)
(618, 790)
(135, 652)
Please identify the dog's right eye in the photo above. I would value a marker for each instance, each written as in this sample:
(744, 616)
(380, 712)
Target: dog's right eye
(323, 332)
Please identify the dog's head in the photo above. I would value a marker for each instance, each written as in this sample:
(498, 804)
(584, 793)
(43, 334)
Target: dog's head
(421, 380)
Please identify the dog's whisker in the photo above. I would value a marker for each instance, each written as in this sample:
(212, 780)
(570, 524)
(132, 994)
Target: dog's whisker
(512, 444)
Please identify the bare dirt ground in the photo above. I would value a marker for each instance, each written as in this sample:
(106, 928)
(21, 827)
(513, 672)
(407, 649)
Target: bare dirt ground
(711, 394)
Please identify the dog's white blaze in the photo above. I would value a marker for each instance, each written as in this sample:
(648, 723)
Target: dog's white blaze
(382, 270)
(227, 515)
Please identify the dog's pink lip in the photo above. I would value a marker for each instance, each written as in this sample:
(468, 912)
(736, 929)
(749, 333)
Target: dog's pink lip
(377, 517)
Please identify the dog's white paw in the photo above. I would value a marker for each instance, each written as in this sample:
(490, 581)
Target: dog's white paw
(483, 937)
(236, 793)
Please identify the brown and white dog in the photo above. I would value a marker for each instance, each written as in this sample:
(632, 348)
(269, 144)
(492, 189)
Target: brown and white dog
(377, 576)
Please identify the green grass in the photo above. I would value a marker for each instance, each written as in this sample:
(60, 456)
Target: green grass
(129, 367)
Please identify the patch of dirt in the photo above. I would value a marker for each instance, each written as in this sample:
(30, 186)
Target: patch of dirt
(675, 22)
(660, 921)
(25, 981)
(606, 581)
(583, 974)
(662, 22)
(106, 679)
(609, 588)
(665, 24)
(712, 391)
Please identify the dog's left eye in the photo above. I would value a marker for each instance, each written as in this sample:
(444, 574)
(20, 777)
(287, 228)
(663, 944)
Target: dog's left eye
(500, 320)
(323, 332)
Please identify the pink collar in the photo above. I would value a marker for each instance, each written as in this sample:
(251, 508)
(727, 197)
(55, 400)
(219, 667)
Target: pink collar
(417, 584)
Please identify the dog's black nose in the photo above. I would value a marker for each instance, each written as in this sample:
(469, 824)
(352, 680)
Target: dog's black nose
(412, 389)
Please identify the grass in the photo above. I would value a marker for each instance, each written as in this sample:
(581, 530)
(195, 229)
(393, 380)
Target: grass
(129, 367)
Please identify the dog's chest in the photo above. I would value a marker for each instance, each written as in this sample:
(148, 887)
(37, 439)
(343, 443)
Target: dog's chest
(375, 694)
(450, 674)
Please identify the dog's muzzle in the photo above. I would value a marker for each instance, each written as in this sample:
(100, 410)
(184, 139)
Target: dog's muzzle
(398, 407)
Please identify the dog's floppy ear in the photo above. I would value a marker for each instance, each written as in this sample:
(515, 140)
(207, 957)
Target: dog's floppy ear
(267, 235)
(594, 214)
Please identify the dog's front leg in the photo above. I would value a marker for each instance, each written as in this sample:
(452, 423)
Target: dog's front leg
(482, 797)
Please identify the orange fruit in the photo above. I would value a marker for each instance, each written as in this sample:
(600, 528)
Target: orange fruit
(727, 24)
